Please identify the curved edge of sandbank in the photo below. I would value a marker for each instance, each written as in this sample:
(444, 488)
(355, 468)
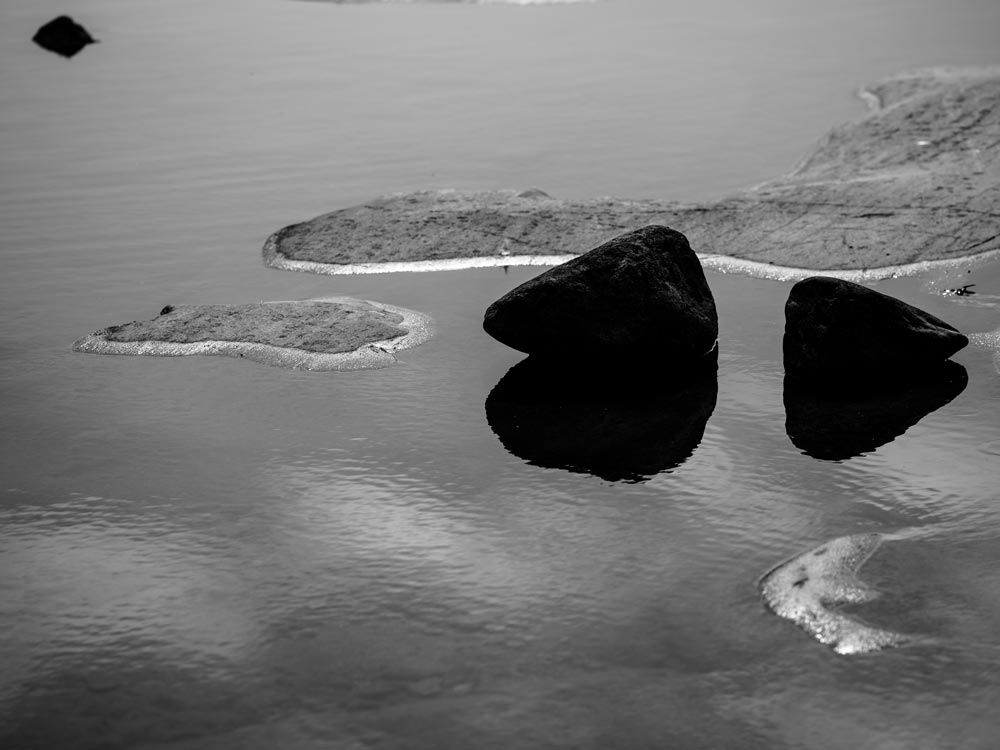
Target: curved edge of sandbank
(370, 356)
(876, 101)
(930, 83)
(273, 258)
(761, 270)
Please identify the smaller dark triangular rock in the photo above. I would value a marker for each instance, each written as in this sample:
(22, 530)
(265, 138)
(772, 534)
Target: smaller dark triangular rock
(641, 295)
(64, 36)
(838, 331)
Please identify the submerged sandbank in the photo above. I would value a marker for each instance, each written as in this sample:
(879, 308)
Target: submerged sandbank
(810, 589)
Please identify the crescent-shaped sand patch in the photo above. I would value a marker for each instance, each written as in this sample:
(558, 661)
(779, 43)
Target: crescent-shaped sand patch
(810, 588)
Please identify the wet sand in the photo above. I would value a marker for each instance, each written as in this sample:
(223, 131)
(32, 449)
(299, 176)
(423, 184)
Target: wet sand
(915, 181)
(328, 334)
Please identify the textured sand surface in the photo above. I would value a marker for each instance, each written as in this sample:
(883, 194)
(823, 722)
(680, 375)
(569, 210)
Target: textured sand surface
(917, 179)
(329, 334)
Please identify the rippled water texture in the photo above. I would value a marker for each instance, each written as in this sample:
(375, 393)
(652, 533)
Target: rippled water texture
(201, 552)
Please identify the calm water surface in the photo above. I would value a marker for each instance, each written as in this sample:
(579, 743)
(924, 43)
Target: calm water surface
(206, 553)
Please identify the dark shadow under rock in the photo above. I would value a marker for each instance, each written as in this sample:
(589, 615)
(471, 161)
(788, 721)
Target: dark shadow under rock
(614, 426)
(835, 424)
(64, 36)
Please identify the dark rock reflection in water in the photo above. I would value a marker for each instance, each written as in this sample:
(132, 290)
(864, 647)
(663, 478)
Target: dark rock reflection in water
(837, 424)
(614, 425)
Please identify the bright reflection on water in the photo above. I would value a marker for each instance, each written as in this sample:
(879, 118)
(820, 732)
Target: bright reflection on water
(357, 558)
(206, 553)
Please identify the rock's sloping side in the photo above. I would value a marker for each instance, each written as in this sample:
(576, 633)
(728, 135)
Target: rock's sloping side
(836, 329)
(644, 290)
(328, 334)
(809, 589)
(916, 179)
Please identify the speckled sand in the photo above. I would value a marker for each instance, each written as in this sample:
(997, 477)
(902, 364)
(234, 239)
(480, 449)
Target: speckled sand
(321, 334)
(809, 589)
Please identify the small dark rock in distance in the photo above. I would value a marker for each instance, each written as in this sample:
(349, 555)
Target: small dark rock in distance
(837, 331)
(64, 36)
(642, 295)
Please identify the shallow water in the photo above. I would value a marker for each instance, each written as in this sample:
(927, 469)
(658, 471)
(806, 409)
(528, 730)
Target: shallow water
(203, 553)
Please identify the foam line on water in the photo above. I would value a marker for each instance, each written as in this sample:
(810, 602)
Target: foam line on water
(726, 264)
(989, 340)
(717, 263)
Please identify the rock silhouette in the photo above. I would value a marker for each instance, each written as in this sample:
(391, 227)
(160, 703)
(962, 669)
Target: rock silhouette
(838, 424)
(64, 36)
(618, 427)
(644, 291)
(837, 330)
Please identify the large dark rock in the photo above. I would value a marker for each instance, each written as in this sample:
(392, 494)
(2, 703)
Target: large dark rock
(619, 426)
(837, 330)
(839, 424)
(643, 294)
(64, 36)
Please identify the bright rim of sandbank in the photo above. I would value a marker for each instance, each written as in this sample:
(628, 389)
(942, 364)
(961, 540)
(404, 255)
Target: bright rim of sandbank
(718, 263)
